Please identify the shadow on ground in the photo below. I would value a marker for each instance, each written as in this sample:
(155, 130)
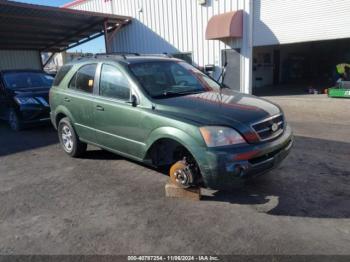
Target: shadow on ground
(12, 142)
(314, 181)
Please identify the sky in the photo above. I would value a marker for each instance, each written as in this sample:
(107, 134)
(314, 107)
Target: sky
(94, 46)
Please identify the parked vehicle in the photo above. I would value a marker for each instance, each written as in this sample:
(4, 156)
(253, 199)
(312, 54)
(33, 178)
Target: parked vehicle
(24, 97)
(164, 112)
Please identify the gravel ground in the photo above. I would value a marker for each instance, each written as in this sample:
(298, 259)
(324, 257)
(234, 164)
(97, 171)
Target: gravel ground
(105, 204)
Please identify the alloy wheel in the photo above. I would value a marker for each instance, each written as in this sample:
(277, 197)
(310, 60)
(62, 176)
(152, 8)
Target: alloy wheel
(67, 138)
(13, 120)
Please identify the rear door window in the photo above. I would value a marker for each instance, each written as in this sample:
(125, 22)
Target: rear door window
(84, 78)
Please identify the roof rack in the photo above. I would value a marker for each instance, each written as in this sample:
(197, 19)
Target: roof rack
(162, 54)
(122, 54)
(125, 54)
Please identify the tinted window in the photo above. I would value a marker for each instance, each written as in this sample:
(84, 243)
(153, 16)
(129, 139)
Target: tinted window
(165, 78)
(182, 76)
(113, 83)
(61, 74)
(20, 80)
(83, 79)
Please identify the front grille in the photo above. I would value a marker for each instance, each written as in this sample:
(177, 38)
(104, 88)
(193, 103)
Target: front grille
(43, 101)
(265, 129)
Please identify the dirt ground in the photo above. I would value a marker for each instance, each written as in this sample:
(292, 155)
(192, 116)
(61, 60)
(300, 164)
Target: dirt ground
(105, 204)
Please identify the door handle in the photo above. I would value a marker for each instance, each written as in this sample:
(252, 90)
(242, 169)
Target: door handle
(66, 99)
(99, 108)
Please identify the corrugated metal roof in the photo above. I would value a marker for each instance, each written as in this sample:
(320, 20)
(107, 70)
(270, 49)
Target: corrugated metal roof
(36, 27)
(70, 4)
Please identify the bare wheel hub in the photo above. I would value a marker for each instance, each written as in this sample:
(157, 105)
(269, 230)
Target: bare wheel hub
(181, 174)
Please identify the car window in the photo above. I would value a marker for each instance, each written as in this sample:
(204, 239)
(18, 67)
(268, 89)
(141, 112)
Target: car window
(113, 83)
(161, 79)
(83, 80)
(61, 74)
(182, 76)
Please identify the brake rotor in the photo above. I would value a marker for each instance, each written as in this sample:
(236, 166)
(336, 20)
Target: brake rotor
(181, 174)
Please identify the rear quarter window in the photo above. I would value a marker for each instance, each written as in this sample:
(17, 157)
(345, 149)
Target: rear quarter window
(61, 74)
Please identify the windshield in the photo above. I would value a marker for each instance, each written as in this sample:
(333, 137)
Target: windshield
(170, 78)
(20, 80)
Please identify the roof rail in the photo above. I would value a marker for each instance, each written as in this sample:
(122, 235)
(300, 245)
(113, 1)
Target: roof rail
(162, 54)
(122, 54)
(167, 54)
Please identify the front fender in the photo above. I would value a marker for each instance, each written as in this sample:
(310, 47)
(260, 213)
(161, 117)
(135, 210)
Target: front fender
(173, 133)
(195, 146)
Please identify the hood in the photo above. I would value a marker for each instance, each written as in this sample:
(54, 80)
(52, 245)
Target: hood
(228, 108)
(31, 90)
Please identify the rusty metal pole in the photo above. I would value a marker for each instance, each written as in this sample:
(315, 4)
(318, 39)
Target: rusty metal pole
(105, 29)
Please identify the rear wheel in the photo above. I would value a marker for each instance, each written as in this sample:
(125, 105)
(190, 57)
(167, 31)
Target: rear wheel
(14, 121)
(69, 139)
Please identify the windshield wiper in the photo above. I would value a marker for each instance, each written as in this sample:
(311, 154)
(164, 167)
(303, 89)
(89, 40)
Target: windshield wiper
(172, 93)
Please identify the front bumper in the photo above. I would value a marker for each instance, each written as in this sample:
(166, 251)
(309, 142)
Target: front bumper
(34, 114)
(221, 167)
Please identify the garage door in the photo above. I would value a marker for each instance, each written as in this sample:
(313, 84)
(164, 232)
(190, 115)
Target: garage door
(291, 21)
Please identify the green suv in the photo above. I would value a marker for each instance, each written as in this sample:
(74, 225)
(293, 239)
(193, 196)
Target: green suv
(166, 113)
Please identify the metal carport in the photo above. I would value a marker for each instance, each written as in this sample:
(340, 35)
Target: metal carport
(53, 29)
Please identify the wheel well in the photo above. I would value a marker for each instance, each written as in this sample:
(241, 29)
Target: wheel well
(59, 117)
(166, 151)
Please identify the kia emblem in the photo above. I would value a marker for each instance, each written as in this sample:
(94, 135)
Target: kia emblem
(274, 127)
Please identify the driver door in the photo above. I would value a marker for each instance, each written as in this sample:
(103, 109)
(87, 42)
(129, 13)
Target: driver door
(119, 124)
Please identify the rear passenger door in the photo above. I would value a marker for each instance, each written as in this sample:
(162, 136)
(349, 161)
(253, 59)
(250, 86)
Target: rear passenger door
(79, 101)
(117, 122)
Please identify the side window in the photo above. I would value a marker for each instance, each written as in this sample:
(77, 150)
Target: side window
(83, 80)
(113, 83)
(61, 74)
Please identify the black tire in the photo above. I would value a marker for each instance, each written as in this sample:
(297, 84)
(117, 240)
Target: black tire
(14, 121)
(69, 139)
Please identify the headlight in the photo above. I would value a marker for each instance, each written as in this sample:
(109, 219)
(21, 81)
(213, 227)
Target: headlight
(220, 136)
(26, 101)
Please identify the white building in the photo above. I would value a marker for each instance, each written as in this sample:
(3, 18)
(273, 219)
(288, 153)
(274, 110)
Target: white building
(281, 41)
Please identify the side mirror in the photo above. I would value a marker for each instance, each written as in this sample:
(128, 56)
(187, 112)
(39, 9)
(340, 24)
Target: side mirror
(209, 68)
(133, 100)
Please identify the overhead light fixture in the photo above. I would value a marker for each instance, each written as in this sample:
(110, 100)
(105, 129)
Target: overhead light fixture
(202, 2)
